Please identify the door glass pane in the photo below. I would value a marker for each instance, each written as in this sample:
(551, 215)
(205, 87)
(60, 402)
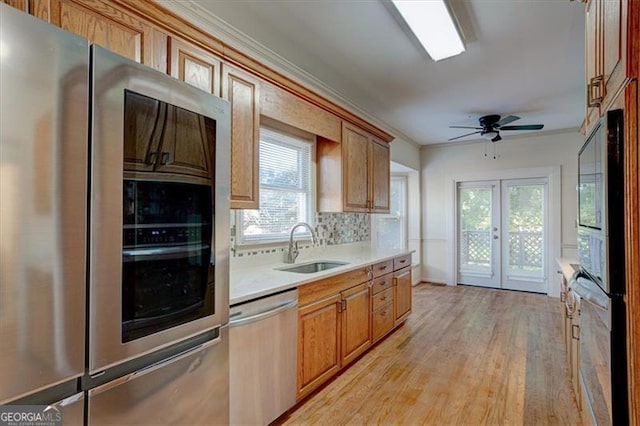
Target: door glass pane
(525, 222)
(475, 230)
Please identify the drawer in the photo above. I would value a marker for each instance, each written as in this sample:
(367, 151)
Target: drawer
(382, 283)
(382, 268)
(382, 298)
(401, 262)
(382, 320)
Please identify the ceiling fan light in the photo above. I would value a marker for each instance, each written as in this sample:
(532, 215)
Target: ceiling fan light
(433, 25)
(489, 134)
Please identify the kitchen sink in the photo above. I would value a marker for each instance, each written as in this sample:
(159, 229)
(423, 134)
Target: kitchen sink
(312, 267)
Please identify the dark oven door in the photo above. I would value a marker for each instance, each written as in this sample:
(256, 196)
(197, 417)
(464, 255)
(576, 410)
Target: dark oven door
(167, 270)
(159, 244)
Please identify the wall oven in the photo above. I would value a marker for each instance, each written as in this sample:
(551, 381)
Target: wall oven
(159, 227)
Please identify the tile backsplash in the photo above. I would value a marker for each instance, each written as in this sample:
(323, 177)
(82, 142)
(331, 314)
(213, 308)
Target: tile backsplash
(331, 229)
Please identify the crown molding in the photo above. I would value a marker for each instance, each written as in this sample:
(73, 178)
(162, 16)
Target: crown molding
(196, 14)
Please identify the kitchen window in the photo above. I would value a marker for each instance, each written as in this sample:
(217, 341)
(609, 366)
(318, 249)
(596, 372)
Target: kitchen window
(287, 194)
(390, 230)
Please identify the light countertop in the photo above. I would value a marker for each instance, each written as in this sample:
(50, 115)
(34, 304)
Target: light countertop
(254, 278)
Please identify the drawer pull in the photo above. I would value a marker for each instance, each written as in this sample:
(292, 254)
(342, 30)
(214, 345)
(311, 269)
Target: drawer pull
(574, 334)
(594, 83)
(383, 313)
(383, 298)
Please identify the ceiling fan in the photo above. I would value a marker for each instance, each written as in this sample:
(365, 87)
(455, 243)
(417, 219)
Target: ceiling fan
(490, 126)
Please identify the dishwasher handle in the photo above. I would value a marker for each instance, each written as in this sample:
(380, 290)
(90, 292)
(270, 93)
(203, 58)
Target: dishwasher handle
(262, 315)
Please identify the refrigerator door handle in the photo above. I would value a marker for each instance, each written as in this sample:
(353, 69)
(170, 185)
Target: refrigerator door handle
(152, 367)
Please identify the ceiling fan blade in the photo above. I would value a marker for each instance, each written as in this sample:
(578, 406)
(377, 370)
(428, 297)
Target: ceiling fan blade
(523, 127)
(465, 127)
(497, 138)
(508, 119)
(468, 134)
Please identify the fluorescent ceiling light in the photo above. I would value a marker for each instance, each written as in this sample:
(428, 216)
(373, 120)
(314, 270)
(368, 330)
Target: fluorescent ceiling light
(433, 25)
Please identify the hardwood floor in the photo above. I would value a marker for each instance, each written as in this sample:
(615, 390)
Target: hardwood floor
(466, 356)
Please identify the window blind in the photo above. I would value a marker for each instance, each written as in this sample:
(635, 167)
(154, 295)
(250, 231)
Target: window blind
(285, 187)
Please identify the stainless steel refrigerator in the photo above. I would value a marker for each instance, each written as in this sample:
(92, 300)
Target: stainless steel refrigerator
(114, 231)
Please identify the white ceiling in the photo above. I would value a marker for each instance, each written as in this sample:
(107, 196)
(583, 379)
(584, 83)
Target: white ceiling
(523, 57)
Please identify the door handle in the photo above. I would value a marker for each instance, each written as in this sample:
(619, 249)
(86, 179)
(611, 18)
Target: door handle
(495, 237)
(166, 158)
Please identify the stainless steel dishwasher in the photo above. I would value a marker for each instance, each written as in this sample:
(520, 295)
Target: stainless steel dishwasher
(263, 358)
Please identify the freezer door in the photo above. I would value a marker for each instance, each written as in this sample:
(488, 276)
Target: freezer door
(191, 388)
(72, 410)
(43, 158)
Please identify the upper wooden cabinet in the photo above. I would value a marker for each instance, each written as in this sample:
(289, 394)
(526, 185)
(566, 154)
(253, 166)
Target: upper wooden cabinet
(195, 66)
(379, 156)
(605, 54)
(243, 91)
(108, 26)
(23, 5)
(355, 168)
(364, 162)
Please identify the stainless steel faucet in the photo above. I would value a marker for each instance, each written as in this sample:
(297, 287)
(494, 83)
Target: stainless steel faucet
(291, 254)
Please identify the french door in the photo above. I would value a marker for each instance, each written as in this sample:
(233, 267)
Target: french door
(502, 234)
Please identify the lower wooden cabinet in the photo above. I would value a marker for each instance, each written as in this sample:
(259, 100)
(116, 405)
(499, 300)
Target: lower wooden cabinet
(356, 321)
(402, 294)
(341, 316)
(318, 343)
(382, 320)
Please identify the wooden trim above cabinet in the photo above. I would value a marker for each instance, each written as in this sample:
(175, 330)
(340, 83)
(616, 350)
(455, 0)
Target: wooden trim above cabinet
(278, 104)
(174, 24)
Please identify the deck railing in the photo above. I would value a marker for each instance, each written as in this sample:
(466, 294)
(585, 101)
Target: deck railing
(525, 248)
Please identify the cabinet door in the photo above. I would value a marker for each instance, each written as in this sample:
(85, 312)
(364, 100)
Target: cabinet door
(23, 5)
(243, 91)
(380, 176)
(592, 60)
(186, 144)
(356, 321)
(195, 66)
(355, 169)
(575, 357)
(318, 343)
(106, 25)
(402, 295)
(613, 47)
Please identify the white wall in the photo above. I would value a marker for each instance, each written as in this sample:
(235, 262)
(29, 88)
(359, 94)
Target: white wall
(407, 155)
(442, 163)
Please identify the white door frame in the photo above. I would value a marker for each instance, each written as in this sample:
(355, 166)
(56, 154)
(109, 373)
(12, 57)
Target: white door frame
(555, 216)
